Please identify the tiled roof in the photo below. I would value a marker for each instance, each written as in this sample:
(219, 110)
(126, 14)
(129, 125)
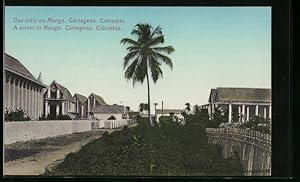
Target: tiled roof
(240, 95)
(14, 65)
(168, 111)
(99, 99)
(108, 109)
(66, 93)
(81, 98)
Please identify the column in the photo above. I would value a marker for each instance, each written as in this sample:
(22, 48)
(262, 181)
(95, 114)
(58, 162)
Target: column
(248, 110)
(21, 94)
(49, 92)
(270, 112)
(24, 96)
(81, 111)
(27, 98)
(256, 110)
(33, 101)
(57, 109)
(212, 108)
(17, 94)
(239, 112)
(40, 102)
(36, 103)
(46, 108)
(243, 113)
(265, 112)
(8, 92)
(77, 106)
(30, 100)
(209, 109)
(13, 93)
(88, 113)
(94, 102)
(229, 113)
(57, 94)
(63, 108)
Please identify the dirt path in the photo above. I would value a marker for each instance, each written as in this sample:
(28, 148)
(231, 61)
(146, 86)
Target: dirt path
(33, 157)
(37, 163)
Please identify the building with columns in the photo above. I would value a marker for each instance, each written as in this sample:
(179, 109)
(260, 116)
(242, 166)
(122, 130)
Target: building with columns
(246, 102)
(59, 101)
(93, 101)
(81, 106)
(21, 89)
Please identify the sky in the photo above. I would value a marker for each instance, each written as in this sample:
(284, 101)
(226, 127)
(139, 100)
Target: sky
(214, 47)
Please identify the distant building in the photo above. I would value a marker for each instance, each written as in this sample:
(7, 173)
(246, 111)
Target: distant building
(133, 114)
(21, 89)
(104, 112)
(169, 112)
(246, 102)
(93, 101)
(80, 106)
(59, 101)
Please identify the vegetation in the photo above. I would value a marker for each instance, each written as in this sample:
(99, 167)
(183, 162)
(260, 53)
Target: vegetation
(145, 55)
(258, 123)
(143, 107)
(170, 149)
(16, 115)
(54, 117)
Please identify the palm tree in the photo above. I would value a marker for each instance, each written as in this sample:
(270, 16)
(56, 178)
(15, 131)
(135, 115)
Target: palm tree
(145, 55)
(187, 107)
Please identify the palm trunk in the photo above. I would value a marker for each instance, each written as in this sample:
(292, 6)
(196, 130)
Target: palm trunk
(149, 110)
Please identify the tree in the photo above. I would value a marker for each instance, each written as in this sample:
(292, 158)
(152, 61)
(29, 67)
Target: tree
(143, 107)
(144, 55)
(196, 108)
(187, 107)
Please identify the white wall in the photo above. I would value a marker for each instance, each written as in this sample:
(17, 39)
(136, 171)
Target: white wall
(111, 124)
(180, 117)
(106, 116)
(27, 130)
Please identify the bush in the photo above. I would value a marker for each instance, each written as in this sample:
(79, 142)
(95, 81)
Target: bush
(171, 149)
(258, 123)
(63, 117)
(54, 117)
(16, 115)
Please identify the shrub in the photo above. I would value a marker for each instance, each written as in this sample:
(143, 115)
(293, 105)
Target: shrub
(258, 123)
(59, 117)
(63, 117)
(171, 149)
(16, 115)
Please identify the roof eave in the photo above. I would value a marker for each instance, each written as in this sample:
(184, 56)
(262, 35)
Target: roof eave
(14, 72)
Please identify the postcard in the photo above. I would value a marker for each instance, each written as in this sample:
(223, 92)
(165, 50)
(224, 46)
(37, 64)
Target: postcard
(137, 91)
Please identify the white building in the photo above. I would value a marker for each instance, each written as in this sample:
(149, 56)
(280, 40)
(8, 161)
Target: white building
(59, 101)
(247, 102)
(104, 112)
(21, 89)
(169, 112)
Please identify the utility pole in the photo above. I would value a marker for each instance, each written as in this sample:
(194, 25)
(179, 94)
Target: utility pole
(162, 108)
(155, 104)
